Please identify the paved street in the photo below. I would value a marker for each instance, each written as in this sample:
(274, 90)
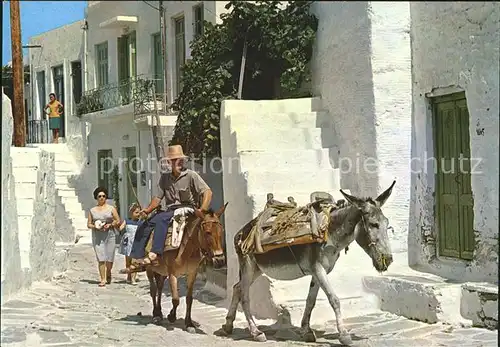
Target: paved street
(73, 311)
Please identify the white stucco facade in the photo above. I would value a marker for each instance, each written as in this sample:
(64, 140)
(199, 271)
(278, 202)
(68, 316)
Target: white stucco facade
(455, 47)
(361, 71)
(116, 128)
(61, 47)
(30, 251)
(11, 260)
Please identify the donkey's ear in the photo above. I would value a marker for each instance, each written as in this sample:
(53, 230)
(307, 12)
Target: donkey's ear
(359, 203)
(221, 210)
(382, 198)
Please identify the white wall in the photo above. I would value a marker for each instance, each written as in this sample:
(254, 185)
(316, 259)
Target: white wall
(28, 212)
(456, 47)
(147, 25)
(60, 46)
(361, 71)
(11, 260)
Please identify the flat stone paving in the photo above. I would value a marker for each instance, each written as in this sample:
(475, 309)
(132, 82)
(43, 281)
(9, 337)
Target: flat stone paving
(72, 311)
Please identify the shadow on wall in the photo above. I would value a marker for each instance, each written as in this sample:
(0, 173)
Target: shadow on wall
(240, 208)
(342, 77)
(11, 259)
(211, 172)
(43, 226)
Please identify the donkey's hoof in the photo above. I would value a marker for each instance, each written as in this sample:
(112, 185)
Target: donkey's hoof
(345, 339)
(227, 329)
(157, 319)
(191, 330)
(171, 318)
(261, 337)
(309, 336)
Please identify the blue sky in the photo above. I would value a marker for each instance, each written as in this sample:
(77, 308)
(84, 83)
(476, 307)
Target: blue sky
(38, 17)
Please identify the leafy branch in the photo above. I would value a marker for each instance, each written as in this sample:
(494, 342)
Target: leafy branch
(279, 48)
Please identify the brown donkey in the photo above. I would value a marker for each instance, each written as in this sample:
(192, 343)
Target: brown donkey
(204, 244)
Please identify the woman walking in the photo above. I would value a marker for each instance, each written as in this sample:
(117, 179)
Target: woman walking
(103, 219)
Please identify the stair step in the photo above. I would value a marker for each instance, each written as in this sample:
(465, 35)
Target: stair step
(281, 120)
(25, 190)
(255, 138)
(61, 181)
(293, 160)
(278, 181)
(52, 147)
(63, 166)
(25, 174)
(24, 207)
(67, 193)
(253, 107)
(25, 157)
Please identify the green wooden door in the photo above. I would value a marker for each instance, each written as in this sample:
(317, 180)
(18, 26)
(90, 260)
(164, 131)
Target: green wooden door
(455, 216)
(131, 170)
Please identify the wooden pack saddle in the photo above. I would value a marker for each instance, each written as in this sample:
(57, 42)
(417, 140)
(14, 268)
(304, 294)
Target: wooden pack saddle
(284, 224)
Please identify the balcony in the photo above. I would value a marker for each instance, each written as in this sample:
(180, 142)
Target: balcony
(133, 95)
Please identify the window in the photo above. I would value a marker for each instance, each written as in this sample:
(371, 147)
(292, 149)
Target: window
(105, 170)
(42, 96)
(76, 75)
(158, 63)
(180, 51)
(102, 63)
(198, 20)
(58, 76)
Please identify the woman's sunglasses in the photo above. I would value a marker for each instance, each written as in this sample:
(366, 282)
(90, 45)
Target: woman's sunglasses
(101, 196)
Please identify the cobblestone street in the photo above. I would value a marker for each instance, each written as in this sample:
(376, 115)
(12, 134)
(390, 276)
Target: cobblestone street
(72, 311)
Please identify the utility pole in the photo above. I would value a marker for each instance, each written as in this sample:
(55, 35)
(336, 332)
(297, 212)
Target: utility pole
(17, 76)
(163, 33)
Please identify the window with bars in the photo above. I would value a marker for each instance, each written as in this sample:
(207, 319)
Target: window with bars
(198, 20)
(180, 51)
(102, 63)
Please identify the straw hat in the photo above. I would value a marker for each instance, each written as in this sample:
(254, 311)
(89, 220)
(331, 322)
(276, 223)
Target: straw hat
(174, 152)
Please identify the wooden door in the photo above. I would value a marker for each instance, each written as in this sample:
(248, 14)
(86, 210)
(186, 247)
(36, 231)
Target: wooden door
(130, 176)
(454, 212)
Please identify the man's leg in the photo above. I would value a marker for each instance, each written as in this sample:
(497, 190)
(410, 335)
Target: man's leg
(140, 240)
(160, 234)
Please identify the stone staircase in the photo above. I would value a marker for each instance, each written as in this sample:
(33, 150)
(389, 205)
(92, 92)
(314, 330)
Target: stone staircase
(71, 217)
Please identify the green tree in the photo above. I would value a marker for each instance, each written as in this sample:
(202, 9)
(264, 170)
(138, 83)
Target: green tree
(279, 47)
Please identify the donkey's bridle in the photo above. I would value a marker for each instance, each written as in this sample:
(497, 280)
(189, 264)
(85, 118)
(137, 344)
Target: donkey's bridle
(205, 252)
(372, 243)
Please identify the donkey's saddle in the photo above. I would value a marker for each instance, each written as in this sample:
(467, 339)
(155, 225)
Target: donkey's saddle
(284, 224)
(177, 230)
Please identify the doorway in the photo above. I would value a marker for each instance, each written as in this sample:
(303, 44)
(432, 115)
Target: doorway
(76, 77)
(131, 170)
(127, 65)
(58, 73)
(454, 200)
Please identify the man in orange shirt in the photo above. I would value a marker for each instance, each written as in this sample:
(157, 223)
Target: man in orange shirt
(55, 110)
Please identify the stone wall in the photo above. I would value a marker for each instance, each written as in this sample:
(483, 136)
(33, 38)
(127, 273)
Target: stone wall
(361, 71)
(28, 212)
(11, 260)
(455, 47)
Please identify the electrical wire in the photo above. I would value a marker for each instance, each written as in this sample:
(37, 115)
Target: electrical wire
(147, 3)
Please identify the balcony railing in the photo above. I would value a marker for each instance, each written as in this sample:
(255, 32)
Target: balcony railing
(136, 90)
(37, 131)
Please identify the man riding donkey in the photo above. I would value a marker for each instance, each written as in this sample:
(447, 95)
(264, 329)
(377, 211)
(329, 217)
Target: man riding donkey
(182, 190)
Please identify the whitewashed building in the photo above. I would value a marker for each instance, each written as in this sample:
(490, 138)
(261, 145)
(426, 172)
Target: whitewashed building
(103, 69)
